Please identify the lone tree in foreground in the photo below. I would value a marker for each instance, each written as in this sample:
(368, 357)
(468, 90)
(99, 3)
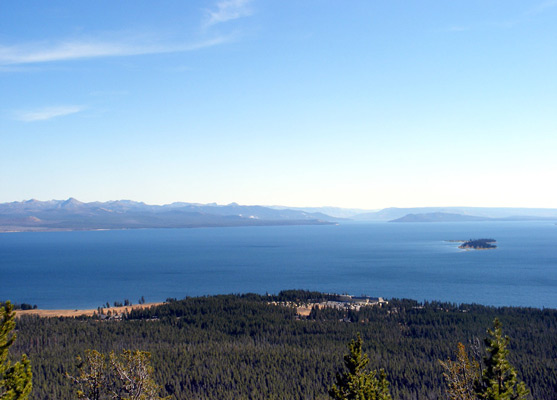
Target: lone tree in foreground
(357, 383)
(128, 376)
(92, 380)
(461, 376)
(499, 379)
(15, 379)
(135, 373)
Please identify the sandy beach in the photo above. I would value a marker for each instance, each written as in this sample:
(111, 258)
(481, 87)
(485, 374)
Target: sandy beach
(77, 313)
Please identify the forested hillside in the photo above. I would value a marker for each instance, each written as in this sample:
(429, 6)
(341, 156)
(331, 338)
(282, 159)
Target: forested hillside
(243, 347)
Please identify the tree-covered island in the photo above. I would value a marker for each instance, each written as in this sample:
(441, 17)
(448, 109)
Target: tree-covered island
(478, 244)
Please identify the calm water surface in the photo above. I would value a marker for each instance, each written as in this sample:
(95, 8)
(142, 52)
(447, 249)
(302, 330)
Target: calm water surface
(412, 260)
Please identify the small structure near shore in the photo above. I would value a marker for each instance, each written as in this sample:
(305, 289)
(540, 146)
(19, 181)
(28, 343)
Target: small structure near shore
(342, 302)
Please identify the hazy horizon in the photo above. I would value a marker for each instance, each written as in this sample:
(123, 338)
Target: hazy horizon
(363, 105)
(276, 205)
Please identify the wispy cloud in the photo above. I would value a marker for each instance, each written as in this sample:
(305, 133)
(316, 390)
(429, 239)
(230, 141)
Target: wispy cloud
(47, 113)
(32, 53)
(228, 10)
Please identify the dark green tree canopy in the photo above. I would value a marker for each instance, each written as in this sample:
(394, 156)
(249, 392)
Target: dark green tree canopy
(15, 378)
(241, 346)
(499, 379)
(357, 383)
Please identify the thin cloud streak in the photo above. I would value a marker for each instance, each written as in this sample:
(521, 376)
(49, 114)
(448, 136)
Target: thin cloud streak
(76, 49)
(228, 10)
(47, 113)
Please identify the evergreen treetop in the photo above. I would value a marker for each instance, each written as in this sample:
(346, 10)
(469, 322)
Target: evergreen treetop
(357, 383)
(499, 379)
(16, 378)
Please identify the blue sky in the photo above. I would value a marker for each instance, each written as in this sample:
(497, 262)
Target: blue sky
(364, 104)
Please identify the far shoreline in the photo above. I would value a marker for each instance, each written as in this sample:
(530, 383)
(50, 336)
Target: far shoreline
(49, 230)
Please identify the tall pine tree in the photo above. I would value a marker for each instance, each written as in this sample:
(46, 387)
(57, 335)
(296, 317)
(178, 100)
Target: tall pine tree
(15, 378)
(357, 383)
(499, 379)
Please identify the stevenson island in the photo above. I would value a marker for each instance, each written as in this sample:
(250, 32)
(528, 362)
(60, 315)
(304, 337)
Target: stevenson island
(476, 244)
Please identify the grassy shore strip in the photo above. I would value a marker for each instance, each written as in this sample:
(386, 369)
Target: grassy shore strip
(78, 313)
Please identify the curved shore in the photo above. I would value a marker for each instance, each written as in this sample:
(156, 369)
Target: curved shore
(79, 313)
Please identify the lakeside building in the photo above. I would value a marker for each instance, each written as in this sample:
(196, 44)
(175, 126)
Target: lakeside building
(343, 302)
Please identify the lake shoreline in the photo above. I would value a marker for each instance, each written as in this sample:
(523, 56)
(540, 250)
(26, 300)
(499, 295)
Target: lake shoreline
(84, 312)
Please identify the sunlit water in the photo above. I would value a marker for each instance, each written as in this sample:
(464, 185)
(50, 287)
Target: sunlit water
(411, 260)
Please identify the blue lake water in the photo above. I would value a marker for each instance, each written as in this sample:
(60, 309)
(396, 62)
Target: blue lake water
(411, 260)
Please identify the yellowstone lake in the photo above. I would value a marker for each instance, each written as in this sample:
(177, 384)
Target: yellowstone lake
(86, 269)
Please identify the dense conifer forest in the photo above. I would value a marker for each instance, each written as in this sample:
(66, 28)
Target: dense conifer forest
(245, 347)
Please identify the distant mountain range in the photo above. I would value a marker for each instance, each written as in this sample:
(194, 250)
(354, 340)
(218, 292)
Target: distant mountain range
(336, 212)
(71, 214)
(456, 214)
(438, 217)
(449, 217)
